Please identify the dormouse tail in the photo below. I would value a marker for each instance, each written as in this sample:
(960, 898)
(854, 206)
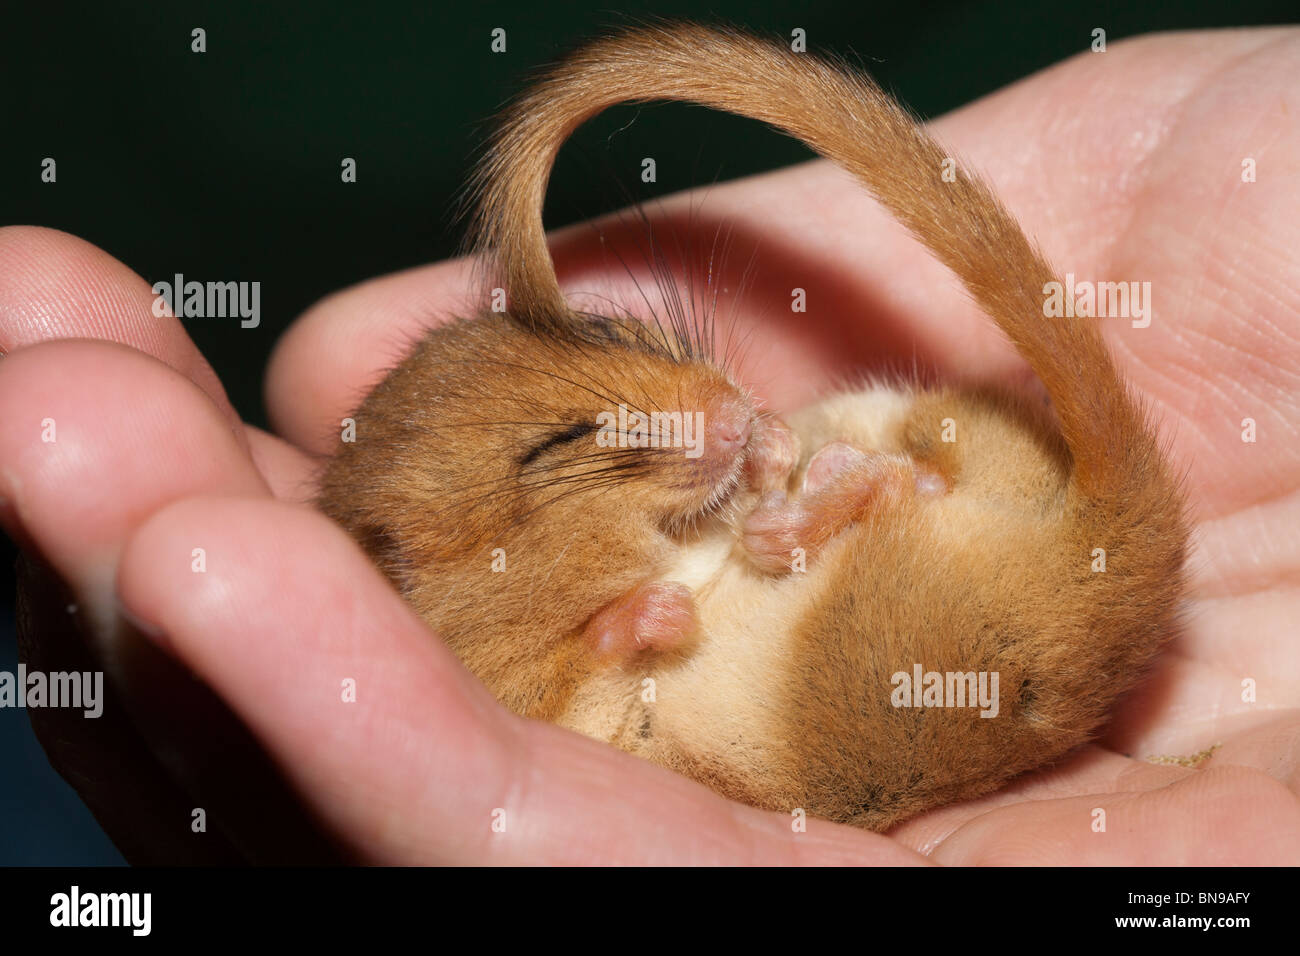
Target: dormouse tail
(845, 117)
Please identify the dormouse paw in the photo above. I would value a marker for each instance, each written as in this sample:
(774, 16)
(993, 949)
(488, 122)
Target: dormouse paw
(841, 485)
(655, 616)
(774, 451)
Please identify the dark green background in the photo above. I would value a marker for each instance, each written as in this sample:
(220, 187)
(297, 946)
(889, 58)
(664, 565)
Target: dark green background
(225, 165)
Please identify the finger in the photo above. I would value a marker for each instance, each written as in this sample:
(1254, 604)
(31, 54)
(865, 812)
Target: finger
(1265, 742)
(97, 437)
(132, 796)
(393, 741)
(1216, 817)
(328, 360)
(290, 474)
(55, 286)
(1092, 769)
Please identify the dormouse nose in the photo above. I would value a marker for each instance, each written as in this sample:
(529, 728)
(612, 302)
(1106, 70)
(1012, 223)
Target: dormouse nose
(728, 428)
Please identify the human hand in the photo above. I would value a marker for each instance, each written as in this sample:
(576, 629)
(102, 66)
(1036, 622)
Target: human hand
(1125, 165)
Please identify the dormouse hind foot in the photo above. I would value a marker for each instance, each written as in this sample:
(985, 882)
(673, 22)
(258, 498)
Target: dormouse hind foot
(655, 616)
(841, 485)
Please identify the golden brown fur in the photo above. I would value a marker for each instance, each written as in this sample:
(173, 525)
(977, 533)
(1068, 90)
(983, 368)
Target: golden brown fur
(434, 485)
(781, 696)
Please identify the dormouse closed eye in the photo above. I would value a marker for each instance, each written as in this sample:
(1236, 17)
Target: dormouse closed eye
(562, 437)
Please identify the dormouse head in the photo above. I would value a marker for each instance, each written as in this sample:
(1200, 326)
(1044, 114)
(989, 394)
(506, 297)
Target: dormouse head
(600, 417)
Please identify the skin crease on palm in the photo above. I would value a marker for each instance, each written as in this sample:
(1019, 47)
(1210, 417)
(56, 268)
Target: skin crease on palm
(1124, 165)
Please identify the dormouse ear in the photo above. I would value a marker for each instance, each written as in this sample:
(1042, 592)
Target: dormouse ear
(652, 617)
